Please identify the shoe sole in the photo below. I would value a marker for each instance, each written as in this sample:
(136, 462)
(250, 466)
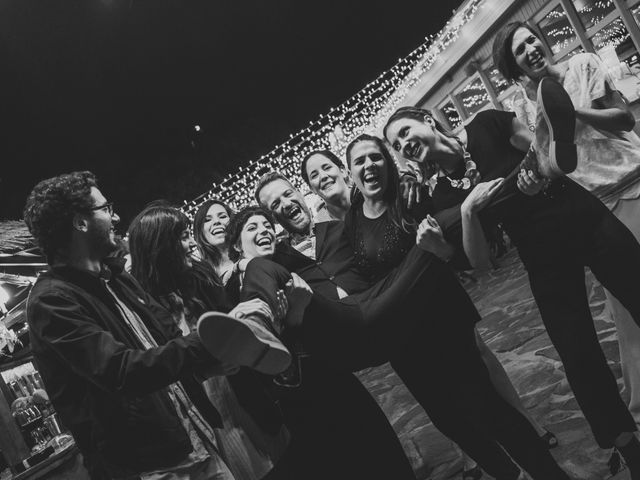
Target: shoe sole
(560, 116)
(232, 341)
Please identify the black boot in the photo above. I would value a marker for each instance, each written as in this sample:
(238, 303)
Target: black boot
(631, 454)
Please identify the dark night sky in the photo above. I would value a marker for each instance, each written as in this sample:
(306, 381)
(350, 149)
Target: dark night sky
(116, 86)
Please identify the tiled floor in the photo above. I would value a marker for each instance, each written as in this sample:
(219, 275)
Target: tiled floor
(512, 328)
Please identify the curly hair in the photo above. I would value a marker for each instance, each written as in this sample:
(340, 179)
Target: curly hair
(237, 223)
(210, 253)
(51, 206)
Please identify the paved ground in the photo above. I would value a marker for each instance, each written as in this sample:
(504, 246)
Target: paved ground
(512, 328)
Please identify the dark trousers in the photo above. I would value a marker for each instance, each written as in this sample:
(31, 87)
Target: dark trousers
(338, 431)
(422, 320)
(589, 235)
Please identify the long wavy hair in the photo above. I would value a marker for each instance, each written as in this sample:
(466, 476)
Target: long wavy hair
(210, 253)
(158, 258)
(392, 194)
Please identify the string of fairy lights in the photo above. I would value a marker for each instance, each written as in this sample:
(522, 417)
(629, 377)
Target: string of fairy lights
(364, 112)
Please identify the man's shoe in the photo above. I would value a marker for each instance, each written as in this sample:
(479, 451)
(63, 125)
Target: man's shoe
(243, 341)
(556, 154)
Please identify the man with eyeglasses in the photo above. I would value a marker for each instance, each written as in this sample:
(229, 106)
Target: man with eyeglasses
(117, 369)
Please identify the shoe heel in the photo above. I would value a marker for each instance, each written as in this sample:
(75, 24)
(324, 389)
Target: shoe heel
(563, 157)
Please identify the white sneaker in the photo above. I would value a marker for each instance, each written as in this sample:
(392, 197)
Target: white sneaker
(243, 341)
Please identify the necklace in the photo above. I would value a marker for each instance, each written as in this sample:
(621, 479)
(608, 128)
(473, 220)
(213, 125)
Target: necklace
(471, 175)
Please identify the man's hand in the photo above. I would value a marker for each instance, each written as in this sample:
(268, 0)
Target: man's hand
(410, 188)
(298, 295)
(283, 305)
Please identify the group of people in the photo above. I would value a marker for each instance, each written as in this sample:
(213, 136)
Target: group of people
(230, 354)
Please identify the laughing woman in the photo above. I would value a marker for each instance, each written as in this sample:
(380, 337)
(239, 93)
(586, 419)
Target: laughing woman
(608, 152)
(327, 177)
(440, 363)
(161, 251)
(210, 233)
(557, 232)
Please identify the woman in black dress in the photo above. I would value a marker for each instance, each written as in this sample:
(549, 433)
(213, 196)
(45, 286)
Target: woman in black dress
(557, 231)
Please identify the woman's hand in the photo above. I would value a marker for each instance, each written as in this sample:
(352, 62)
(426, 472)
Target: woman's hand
(298, 294)
(481, 195)
(429, 237)
(410, 189)
(529, 183)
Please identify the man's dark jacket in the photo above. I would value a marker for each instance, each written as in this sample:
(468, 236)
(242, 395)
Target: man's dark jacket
(107, 388)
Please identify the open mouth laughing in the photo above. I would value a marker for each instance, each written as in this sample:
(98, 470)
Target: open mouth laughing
(295, 214)
(536, 59)
(217, 231)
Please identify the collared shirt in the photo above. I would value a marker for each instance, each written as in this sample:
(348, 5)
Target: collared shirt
(305, 244)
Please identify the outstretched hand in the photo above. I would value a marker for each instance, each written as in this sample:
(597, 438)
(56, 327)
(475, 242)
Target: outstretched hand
(481, 195)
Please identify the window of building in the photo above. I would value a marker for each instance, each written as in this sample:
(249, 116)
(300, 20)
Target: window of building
(556, 30)
(498, 82)
(473, 97)
(451, 114)
(635, 11)
(592, 12)
(615, 34)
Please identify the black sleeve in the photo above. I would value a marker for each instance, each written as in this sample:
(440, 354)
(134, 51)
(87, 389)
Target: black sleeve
(65, 328)
(420, 210)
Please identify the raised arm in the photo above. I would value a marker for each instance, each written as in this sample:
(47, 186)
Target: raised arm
(63, 328)
(473, 239)
(610, 113)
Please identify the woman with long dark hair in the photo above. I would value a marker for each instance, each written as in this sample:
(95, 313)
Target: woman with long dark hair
(327, 177)
(557, 231)
(210, 233)
(162, 261)
(384, 234)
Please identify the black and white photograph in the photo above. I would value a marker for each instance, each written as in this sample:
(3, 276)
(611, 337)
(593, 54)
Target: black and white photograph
(358, 240)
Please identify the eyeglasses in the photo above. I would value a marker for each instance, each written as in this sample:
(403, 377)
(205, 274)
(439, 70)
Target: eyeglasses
(108, 206)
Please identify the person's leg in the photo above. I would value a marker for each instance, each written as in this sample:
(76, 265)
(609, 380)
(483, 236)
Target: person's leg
(434, 388)
(464, 404)
(558, 287)
(503, 384)
(448, 378)
(628, 212)
(339, 431)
